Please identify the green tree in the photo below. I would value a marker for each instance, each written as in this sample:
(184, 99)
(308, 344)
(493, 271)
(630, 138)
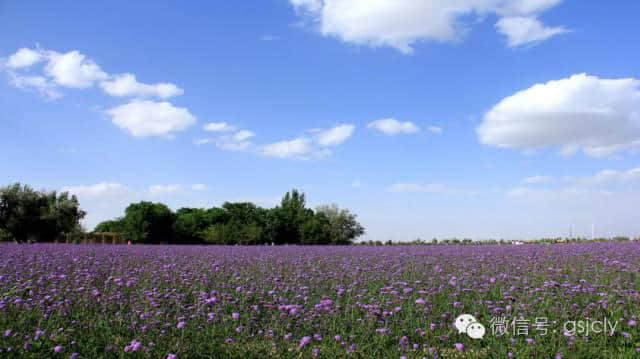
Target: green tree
(26, 214)
(111, 226)
(289, 218)
(147, 222)
(344, 226)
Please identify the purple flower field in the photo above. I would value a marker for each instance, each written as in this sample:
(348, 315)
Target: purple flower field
(74, 301)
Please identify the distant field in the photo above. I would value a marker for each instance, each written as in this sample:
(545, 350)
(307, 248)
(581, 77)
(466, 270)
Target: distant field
(361, 302)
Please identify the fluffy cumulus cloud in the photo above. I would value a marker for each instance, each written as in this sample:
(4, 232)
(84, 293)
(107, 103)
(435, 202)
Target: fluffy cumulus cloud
(401, 24)
(73, 69)
(24, 57)
(143, 118)
(390, 126)
(598, 116)
(305, 148)
(140, 117)
(126, 85)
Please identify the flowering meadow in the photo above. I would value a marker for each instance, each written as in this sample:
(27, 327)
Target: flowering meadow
(75, 301)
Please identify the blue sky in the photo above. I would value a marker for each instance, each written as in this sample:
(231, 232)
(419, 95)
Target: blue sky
(466, 118)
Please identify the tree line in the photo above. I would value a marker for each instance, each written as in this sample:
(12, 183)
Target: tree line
(291, 222)
(41, 216)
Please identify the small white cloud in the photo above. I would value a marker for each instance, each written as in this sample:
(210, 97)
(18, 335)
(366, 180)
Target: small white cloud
(334, 136)
(143, 118)
(127, 85)
(390, 126)
(41, 84)
(103, 189)
(435, 129)
(24, 57)
(582, 112)
(199, 187)
(229, 144)
(73, 69)
(296, 148)
(218, 127)
(268, 38)
(522, 30)
(243, 135)
(356, 184)
(160, 189)
(538, 179)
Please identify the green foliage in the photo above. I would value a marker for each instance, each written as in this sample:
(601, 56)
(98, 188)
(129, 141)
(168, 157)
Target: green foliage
(344, 226)
(237, 223)
(147, 222)
(111, 226)
(29, 215)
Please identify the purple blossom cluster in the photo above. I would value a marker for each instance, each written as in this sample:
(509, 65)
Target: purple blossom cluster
(401, 301)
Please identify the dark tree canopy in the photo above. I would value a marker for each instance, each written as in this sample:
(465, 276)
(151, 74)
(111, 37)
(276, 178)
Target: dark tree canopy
(29, 215)
(237, 223)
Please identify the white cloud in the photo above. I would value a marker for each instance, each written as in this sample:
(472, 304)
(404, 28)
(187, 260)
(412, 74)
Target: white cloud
(239, 141)
(199, 187)
(521, 30)
(143, 118)
(582, 112)
(41, 84)
(160, 189)
(402, 24)
(314, 147)
(356, 184)
(435, 129)
(73, 69)
(218, 127)
(392, 126)
(229, 144)
(243, 135)
(127, 85)
(296, 148)
(24, 57)
(613, 176)
(334, 136)
(538, 179)
(103, 189)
